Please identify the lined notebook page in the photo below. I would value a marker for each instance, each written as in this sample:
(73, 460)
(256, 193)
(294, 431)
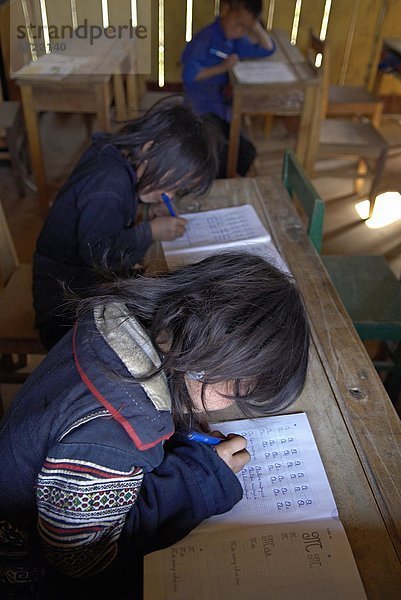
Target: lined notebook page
(283, 541)
(214, 231)
(218, 227)
(263, 71)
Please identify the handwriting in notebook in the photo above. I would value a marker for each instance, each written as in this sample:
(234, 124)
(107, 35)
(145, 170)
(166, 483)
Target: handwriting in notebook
(282, 540)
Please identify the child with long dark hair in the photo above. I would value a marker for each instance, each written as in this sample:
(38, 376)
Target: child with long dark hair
(169, 150)
(97, 468)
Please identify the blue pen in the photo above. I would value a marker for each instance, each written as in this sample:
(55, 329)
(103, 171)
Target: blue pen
(167, 202)
(197, 436)
(218, 53)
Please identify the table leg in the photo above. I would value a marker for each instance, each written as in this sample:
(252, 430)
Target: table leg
(132, 95)
(309, 127)
(103, 102)
(35, 147)
(233, 141)
(119, 96)
(136, 89)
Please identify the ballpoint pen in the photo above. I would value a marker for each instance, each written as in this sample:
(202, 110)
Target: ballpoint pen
(198, 436)
(167, 202)
(218, 53)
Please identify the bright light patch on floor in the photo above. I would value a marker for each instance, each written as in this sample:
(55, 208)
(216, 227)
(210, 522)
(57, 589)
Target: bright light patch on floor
(387, 210)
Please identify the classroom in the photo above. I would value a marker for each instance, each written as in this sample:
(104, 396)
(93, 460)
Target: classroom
(200, 299)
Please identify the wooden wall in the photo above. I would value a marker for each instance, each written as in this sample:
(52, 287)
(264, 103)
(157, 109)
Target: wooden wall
(355, 29)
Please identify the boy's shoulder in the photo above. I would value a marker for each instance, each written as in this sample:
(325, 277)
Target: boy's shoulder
(206, 33)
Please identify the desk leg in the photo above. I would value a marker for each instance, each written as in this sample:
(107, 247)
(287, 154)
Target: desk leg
(136, 89)
(132, 95)
(308, 134)
(35, 147)
(233, 141)
(119, 96)
(103, 102)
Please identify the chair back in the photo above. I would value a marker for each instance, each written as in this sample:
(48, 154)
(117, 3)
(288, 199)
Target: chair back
(299, 185)
(8, 256)
(318, 54)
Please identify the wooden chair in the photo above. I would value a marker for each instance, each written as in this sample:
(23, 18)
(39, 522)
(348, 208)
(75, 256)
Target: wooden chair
(354, 101)
(366, 285)
(299, 187)
(345, 137)
(18, 337)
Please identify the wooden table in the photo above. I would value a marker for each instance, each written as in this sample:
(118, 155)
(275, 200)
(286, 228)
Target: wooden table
(77, 92)
(253, 98)
(355, 425)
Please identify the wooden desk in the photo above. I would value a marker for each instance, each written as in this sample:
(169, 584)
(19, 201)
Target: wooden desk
(77, 92)
(355, 425)
(251, 98)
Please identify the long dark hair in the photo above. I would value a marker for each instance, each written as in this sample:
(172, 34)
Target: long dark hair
(176, 145)
(233, 317)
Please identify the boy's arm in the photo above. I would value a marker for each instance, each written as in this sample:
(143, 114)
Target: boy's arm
(260, 36)
(223, 67)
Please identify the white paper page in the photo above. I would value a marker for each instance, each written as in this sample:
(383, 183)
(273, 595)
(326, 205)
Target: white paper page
(282, 540)
(265, 249)
(53, 64)
(263, 71)
(220, 226)
(298, 561)
(285, 480)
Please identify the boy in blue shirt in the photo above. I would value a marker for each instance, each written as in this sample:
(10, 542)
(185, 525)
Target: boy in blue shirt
(236, 34)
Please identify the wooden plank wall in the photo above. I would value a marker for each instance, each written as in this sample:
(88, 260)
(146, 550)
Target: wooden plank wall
(355, 30)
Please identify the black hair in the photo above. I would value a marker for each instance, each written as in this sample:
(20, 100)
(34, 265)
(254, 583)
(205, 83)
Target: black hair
(232, 317)
(177, 146)
(252, 6)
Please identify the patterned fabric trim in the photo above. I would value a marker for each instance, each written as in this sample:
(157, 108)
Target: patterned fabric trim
(16, 565)
(82, 509)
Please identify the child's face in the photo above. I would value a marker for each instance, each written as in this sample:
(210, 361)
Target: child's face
(214, 394)
(236, 22)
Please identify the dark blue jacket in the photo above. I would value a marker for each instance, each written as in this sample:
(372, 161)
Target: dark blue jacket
(91, 475)
(93, 214)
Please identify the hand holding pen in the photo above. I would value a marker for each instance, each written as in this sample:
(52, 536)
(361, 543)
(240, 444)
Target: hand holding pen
(228, 60)
(167, 228)
(231, 449)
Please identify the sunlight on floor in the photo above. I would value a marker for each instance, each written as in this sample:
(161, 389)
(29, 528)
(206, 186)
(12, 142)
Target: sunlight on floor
(387, 210)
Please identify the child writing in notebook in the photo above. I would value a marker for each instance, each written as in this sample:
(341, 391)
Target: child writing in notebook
(98, 466)
(169, 150)
(207, 59)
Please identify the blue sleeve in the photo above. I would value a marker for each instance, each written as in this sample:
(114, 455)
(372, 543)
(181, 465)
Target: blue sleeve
(246, 49)
(102, 227)
(196, 56)
(191, 484)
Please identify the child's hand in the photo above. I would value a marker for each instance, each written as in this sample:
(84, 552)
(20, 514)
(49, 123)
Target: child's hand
(158, 210)
(229, 62)
(233, 451)
(167, 228)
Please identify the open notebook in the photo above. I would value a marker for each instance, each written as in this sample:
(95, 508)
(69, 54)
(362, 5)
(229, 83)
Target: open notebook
(282, 540)
(263, 71)
(214, 231)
